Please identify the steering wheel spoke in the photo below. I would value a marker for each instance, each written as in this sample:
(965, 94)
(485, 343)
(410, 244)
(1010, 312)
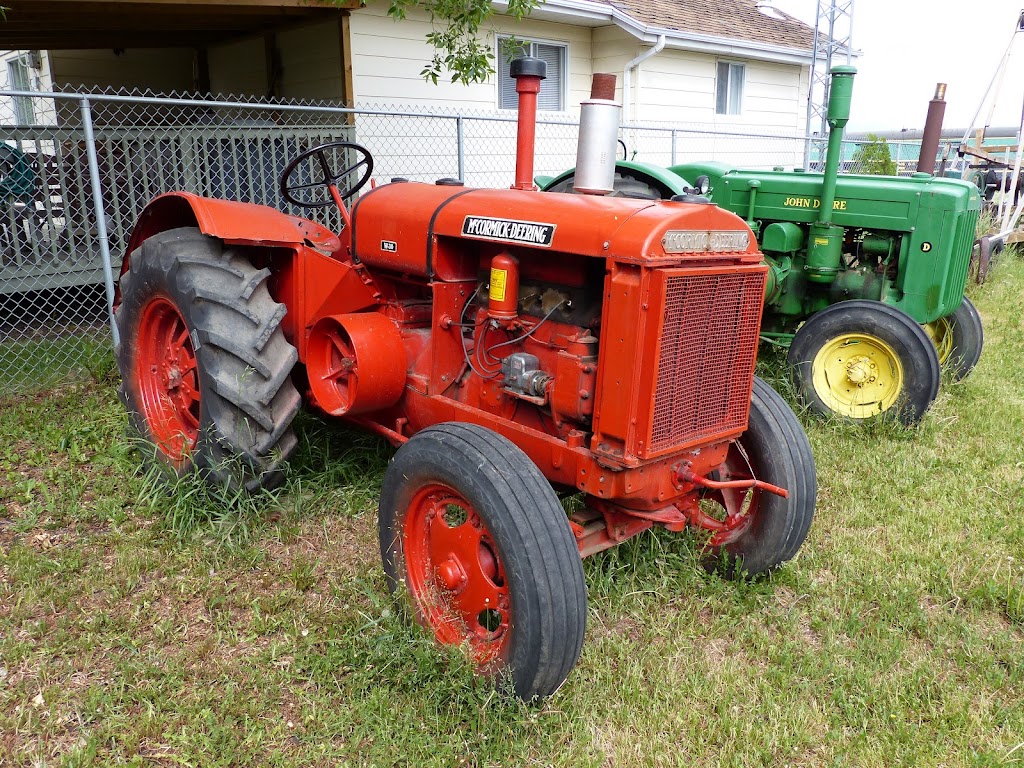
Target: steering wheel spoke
(322, 155)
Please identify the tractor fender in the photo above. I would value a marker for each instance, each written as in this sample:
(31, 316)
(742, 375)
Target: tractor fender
(655, 175)
(232, 222)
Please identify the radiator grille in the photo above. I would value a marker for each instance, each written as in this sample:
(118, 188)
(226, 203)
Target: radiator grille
(963, 244)
(706, 358)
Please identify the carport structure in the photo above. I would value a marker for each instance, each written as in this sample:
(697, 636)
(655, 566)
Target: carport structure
(204, 27)
(112, 109)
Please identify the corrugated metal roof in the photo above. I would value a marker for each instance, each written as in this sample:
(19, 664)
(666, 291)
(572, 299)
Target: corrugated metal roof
(731, 19)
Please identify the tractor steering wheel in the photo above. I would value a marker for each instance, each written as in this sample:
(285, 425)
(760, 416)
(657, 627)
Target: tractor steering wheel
(301, 194)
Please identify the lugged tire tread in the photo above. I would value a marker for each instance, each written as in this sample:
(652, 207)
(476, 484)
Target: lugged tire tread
(248, 399)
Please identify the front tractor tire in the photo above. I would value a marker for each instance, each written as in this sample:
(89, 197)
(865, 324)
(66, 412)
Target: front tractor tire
(958, 339)
(752, 531)
(205, 366)
(475, 542)
(862, 359)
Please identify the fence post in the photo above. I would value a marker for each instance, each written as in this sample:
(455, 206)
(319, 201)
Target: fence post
(460, 133)
(674, 161)
(100, 214)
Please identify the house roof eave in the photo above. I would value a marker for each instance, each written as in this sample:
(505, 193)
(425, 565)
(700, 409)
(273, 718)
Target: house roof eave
(591, 13)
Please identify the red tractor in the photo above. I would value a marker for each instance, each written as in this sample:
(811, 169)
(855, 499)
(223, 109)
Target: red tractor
(517, 347)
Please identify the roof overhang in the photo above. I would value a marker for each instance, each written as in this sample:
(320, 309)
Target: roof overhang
(587, 13)
(62, 24)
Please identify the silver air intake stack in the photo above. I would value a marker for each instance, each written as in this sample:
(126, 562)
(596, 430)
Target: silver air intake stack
(599, 135)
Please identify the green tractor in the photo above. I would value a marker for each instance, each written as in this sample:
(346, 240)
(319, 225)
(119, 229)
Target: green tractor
(866, 273)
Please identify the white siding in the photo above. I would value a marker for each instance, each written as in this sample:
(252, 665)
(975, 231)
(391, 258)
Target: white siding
(389, 55)
(43, 109)
(613, 48)
(679, 86)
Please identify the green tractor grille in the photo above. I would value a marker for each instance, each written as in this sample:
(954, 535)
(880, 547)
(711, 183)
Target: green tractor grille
(963, 244)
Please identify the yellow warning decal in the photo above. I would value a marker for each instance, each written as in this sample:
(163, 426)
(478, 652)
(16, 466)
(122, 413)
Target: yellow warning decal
(821, 241)
(498, 279)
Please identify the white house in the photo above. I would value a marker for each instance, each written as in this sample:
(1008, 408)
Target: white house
(724, 64)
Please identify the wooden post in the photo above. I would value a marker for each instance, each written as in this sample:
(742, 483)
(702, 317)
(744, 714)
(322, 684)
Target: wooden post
(348, 95)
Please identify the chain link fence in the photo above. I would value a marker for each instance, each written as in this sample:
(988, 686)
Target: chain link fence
(76, 170)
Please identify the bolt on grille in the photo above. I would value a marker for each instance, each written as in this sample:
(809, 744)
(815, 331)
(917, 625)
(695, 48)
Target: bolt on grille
(706, 360)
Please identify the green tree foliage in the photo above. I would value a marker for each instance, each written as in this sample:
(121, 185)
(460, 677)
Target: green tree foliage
(873, 158)
(455, 34)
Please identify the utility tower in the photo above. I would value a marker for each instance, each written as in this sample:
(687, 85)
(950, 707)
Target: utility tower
(833, 37)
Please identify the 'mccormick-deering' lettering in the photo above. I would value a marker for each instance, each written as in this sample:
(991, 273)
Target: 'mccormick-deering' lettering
(509, 230)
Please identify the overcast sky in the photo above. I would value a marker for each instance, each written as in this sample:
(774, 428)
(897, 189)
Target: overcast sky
(907, 46)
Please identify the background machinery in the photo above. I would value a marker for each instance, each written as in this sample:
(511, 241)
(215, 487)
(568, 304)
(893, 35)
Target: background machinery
(866, 273)
(517, 348)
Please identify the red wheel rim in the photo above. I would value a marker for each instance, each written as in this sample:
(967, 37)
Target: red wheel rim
(454, 573)
(167, 379)
(728, 512)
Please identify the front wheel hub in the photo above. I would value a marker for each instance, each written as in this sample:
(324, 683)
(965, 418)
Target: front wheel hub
(452, 576)
(455, 575)
(857, 375)
(860, 370)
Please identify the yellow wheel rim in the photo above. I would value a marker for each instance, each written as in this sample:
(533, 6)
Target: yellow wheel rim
(857, 376)
(941, 334)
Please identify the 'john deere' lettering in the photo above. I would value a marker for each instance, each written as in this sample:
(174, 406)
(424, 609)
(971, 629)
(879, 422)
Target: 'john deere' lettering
(806, 202)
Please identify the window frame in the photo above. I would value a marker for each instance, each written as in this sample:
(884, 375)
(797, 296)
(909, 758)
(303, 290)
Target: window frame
(563, 84)
(730, 86)
(23, 106)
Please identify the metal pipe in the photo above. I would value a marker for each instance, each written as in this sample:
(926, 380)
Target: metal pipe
(718, 485)
(636, 62)
(101, 217)
(932, 130)
(840, 96)
(460, 136)
(527, 72)
(1009, 219)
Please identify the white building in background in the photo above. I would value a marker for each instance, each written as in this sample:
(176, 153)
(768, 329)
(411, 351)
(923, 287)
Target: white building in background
(25, 71)
(719, 64)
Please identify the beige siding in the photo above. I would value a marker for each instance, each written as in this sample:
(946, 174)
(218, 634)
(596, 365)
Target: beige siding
(388, 57)
(679, 86)
(160, 70)
(239, 68)
(613, 49)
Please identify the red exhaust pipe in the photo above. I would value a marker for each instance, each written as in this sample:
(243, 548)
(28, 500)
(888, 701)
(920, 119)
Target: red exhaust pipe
(527, 72)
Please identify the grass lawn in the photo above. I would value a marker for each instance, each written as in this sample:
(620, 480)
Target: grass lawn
(152, 630)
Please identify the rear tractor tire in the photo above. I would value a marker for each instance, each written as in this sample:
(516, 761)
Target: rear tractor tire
(760, 530)
(861, 359)
(958, 339)
(474, 539)
(205, 366)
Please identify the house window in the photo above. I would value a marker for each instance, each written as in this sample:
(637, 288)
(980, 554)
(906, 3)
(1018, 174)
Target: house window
(18, 76)
(552, 89)
(729, 88)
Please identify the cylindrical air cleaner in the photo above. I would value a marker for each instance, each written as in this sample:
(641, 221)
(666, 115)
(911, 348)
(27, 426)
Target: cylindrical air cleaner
(599, 135)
